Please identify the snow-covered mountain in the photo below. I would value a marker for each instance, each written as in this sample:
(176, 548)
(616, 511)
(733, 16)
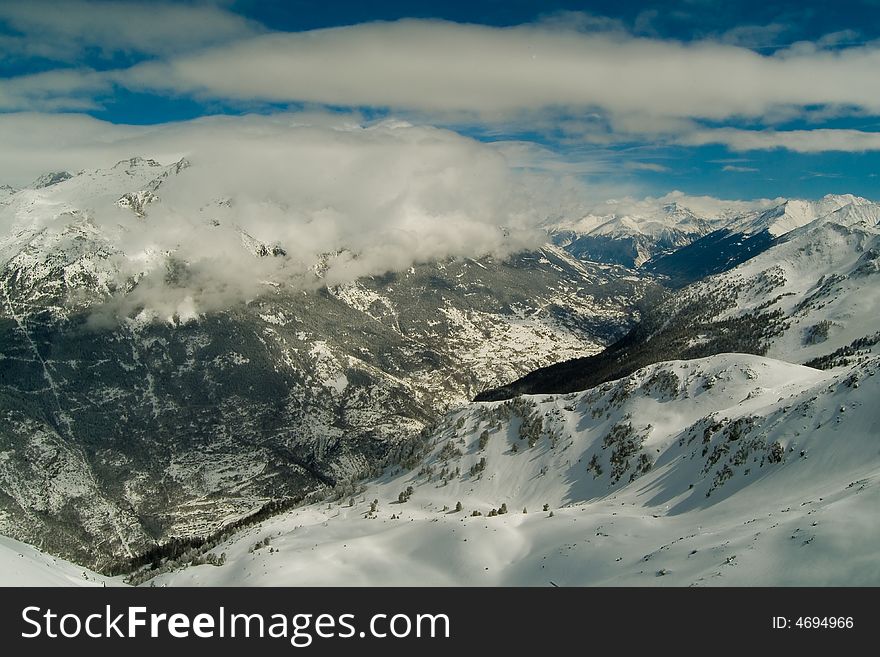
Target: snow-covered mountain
(338, 411)
(631, 233)
(744, 236)
(631, 239)
(131, 415)
(688, 238)
(812, 298)
(730, 470)
(816, 291)
(792, 214)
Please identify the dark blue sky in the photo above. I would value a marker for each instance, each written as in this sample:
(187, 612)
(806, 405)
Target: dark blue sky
(655, 162)
(685, 19)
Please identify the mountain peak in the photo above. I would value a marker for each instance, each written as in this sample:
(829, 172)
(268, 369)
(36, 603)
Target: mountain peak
(845, 199)
(793, 213)
(51, 178)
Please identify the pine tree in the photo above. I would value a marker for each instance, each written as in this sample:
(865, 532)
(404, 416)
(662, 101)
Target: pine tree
(458, 506)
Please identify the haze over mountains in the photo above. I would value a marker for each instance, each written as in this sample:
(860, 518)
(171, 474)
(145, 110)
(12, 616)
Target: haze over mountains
(158, 390)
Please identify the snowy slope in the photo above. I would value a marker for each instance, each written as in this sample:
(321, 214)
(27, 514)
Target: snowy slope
(746, 236)
(731, 470)
(821, 284)
(793, 214)
(24, 565)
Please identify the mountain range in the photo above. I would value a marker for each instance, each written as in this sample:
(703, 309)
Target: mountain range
(665, 394)
(123, 429)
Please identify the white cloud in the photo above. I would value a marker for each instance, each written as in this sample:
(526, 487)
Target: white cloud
(436, 66)
(61, 89)
(576, 78)
(756, 36)
(387, 195)
(34, 143)
(801, 141)
(704, 205)
(647, 166)
(735, 168)
(61, 29)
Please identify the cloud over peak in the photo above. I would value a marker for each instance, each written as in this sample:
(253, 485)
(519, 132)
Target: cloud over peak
(361, 198)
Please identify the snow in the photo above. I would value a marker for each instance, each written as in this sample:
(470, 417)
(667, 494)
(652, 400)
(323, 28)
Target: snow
(824, 271)
(326, 368)
(809, 520)
(24, 565)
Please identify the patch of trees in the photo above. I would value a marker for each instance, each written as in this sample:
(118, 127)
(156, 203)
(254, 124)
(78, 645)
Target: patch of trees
(478, 467)
(844, 355)
(625, 444)
(817, 332)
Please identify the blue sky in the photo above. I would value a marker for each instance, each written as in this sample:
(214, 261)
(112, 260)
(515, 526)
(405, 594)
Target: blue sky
(729, 99)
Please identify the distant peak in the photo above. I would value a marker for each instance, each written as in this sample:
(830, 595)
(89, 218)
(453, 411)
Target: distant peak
(676, 209)
(845, 199)
(51, 178)
(136, 162)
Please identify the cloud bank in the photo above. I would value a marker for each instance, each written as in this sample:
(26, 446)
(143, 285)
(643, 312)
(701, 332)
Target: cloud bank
(558, 70)
(817, 140)
(349, 197)
(434, 65)
(66, 29)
